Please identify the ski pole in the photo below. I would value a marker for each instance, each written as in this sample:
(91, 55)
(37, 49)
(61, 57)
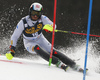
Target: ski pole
(50, 28)
(53, 34)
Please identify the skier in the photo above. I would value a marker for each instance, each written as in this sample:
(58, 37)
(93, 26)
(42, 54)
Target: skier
(31, 27)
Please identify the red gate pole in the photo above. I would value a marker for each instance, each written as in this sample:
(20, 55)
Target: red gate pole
(53, 33)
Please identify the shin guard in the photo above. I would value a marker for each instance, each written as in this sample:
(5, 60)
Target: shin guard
(45, 55)
(63, 58)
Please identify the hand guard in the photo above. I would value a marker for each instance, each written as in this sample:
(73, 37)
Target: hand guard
(10, 54)
(47, 31)
(48, 28)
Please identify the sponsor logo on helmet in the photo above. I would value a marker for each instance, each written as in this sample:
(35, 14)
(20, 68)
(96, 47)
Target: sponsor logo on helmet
(37, 6)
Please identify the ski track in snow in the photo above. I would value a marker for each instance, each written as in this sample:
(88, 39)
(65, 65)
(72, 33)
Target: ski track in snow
(23, 69)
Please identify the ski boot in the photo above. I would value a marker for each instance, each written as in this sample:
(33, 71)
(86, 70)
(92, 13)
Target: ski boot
(62, 66)
(79, 69)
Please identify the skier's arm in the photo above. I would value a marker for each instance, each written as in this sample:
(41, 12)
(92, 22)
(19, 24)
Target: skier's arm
(17, 32)
(45, 21)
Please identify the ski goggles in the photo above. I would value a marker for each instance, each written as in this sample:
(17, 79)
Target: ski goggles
(37, 13)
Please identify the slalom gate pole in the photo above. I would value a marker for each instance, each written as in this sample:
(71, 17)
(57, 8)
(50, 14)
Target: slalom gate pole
(69, 32)
(77, 33)
(85, 34)
(53, 34)
(88, 32)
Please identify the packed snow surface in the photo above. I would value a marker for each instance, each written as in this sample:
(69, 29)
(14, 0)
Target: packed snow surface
(24, 69)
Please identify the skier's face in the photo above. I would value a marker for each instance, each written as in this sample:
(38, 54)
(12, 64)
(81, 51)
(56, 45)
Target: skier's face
(35, 15)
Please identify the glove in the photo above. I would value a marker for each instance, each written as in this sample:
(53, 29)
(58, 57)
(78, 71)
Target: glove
(48, 28)
(10, 54)
(47, 31)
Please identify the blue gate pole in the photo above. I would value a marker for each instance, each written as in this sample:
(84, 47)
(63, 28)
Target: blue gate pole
(88, 32)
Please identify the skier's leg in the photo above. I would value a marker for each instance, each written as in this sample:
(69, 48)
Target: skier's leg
(63, 58)
(29, 45)
(44, 43)
(67, 60)
(45, 55)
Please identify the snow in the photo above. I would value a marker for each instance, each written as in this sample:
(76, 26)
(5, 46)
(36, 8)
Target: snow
(24, 69)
